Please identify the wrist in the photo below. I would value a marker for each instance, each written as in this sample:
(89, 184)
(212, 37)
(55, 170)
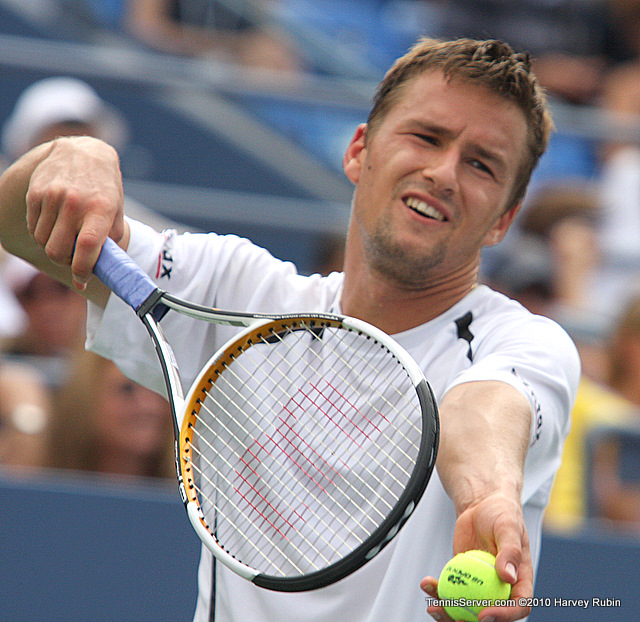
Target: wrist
(471, 492)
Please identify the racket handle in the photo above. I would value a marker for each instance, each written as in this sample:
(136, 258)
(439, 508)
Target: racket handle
(123, 276)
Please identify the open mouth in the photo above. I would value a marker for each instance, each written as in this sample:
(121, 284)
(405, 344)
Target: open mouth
(417, 205)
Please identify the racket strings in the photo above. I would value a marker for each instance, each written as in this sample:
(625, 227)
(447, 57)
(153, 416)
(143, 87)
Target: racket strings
(260, 551)
(394, 376)
(242, 398)
(350, 447)
(311, 399)
(285, 497)
(266, 547)
(361, 354)
(279, 525)
(364, 493)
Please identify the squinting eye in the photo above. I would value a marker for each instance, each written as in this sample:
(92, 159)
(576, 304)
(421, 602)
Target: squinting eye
(481, 166)
(426, 138)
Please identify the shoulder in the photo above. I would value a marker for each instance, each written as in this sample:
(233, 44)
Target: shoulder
(504, 335)
(497, 315)
(228, 271)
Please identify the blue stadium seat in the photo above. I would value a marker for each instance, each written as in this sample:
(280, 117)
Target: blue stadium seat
(627, 438)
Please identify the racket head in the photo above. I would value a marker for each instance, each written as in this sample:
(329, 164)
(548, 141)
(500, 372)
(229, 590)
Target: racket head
(306, 443)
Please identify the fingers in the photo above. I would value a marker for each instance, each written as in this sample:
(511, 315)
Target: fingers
(508, 560)
(430, 586)
(511, 542)
(495, 524)
(513, 557)
(69, 234)
(510, 557)
(516, 610)
(89, 243)
(33, 213)
(74, 201)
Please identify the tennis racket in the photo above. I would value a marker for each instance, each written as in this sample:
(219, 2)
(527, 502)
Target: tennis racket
(303, 445)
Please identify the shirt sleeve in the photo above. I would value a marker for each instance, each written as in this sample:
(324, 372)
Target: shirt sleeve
(207, 269)
(223, 271)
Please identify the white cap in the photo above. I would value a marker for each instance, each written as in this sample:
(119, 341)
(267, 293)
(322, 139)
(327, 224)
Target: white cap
(56, 100)
(12, 317)
(16, 273)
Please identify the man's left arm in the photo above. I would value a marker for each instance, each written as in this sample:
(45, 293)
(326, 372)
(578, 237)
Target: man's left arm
(485, 435)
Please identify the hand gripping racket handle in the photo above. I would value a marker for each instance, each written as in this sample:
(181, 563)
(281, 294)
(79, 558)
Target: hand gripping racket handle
(123, 276)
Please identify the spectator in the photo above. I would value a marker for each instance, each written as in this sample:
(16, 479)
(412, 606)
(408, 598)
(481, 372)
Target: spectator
(25, 410)
(54, 319)
(615, 401)
(620, 185)
(623, 360)
(210, 28)
(44, 321)
(105, 423)
(52, 107)
(60, 106)
(551, 264)
(595, 405)
(617, 500)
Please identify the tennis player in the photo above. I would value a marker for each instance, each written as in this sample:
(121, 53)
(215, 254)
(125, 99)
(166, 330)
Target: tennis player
(440, 170)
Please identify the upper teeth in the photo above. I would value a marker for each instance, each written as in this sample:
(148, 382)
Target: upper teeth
(424, 208)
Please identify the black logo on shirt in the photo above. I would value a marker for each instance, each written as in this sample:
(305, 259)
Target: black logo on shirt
(463, 323)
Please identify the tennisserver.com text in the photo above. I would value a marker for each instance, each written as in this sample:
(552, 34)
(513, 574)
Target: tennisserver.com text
(577, 603)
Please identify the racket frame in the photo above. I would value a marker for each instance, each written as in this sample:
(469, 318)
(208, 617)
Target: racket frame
(116, 269)
(393, 522)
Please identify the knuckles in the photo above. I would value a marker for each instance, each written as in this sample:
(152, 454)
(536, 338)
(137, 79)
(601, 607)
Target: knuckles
(58, 255)
(72, 194)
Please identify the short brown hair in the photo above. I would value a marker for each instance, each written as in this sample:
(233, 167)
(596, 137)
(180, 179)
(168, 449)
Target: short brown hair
(492, 64)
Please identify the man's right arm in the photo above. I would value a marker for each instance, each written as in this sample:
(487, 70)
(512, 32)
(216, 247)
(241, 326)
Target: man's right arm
(58, 204)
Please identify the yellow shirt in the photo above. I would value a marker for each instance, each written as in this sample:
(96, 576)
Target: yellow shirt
(594, 405)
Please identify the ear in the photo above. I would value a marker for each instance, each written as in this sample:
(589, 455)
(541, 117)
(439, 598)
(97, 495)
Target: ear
(501, 226)
(353, 157)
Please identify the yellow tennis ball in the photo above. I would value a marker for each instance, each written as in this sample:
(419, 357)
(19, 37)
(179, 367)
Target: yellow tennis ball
(469, 583)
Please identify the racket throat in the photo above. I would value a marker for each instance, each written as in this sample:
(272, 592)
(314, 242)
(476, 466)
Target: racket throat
(152, 305)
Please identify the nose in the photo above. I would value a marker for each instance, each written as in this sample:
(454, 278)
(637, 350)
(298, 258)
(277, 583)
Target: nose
(442, 169)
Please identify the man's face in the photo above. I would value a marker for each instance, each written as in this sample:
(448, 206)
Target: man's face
(434, 178)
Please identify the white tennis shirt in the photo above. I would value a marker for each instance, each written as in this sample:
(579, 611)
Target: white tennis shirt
(485, 336)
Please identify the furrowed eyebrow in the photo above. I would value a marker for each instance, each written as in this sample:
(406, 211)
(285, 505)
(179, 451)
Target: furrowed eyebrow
(490, 156)
(430, 128)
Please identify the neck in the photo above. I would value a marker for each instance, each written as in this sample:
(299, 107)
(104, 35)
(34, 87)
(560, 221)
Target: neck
(394, 307)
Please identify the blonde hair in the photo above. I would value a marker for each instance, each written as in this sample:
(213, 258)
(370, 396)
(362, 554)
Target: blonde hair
(74, 442)
(492, 64)
(627, 328)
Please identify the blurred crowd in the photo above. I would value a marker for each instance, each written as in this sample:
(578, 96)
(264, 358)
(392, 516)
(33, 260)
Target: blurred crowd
(573, 255)
(62, 407)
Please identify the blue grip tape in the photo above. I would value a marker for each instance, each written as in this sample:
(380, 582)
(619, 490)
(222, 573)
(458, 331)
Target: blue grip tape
(122, 275)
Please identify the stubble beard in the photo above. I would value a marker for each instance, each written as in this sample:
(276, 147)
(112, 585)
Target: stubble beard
(404, 266)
